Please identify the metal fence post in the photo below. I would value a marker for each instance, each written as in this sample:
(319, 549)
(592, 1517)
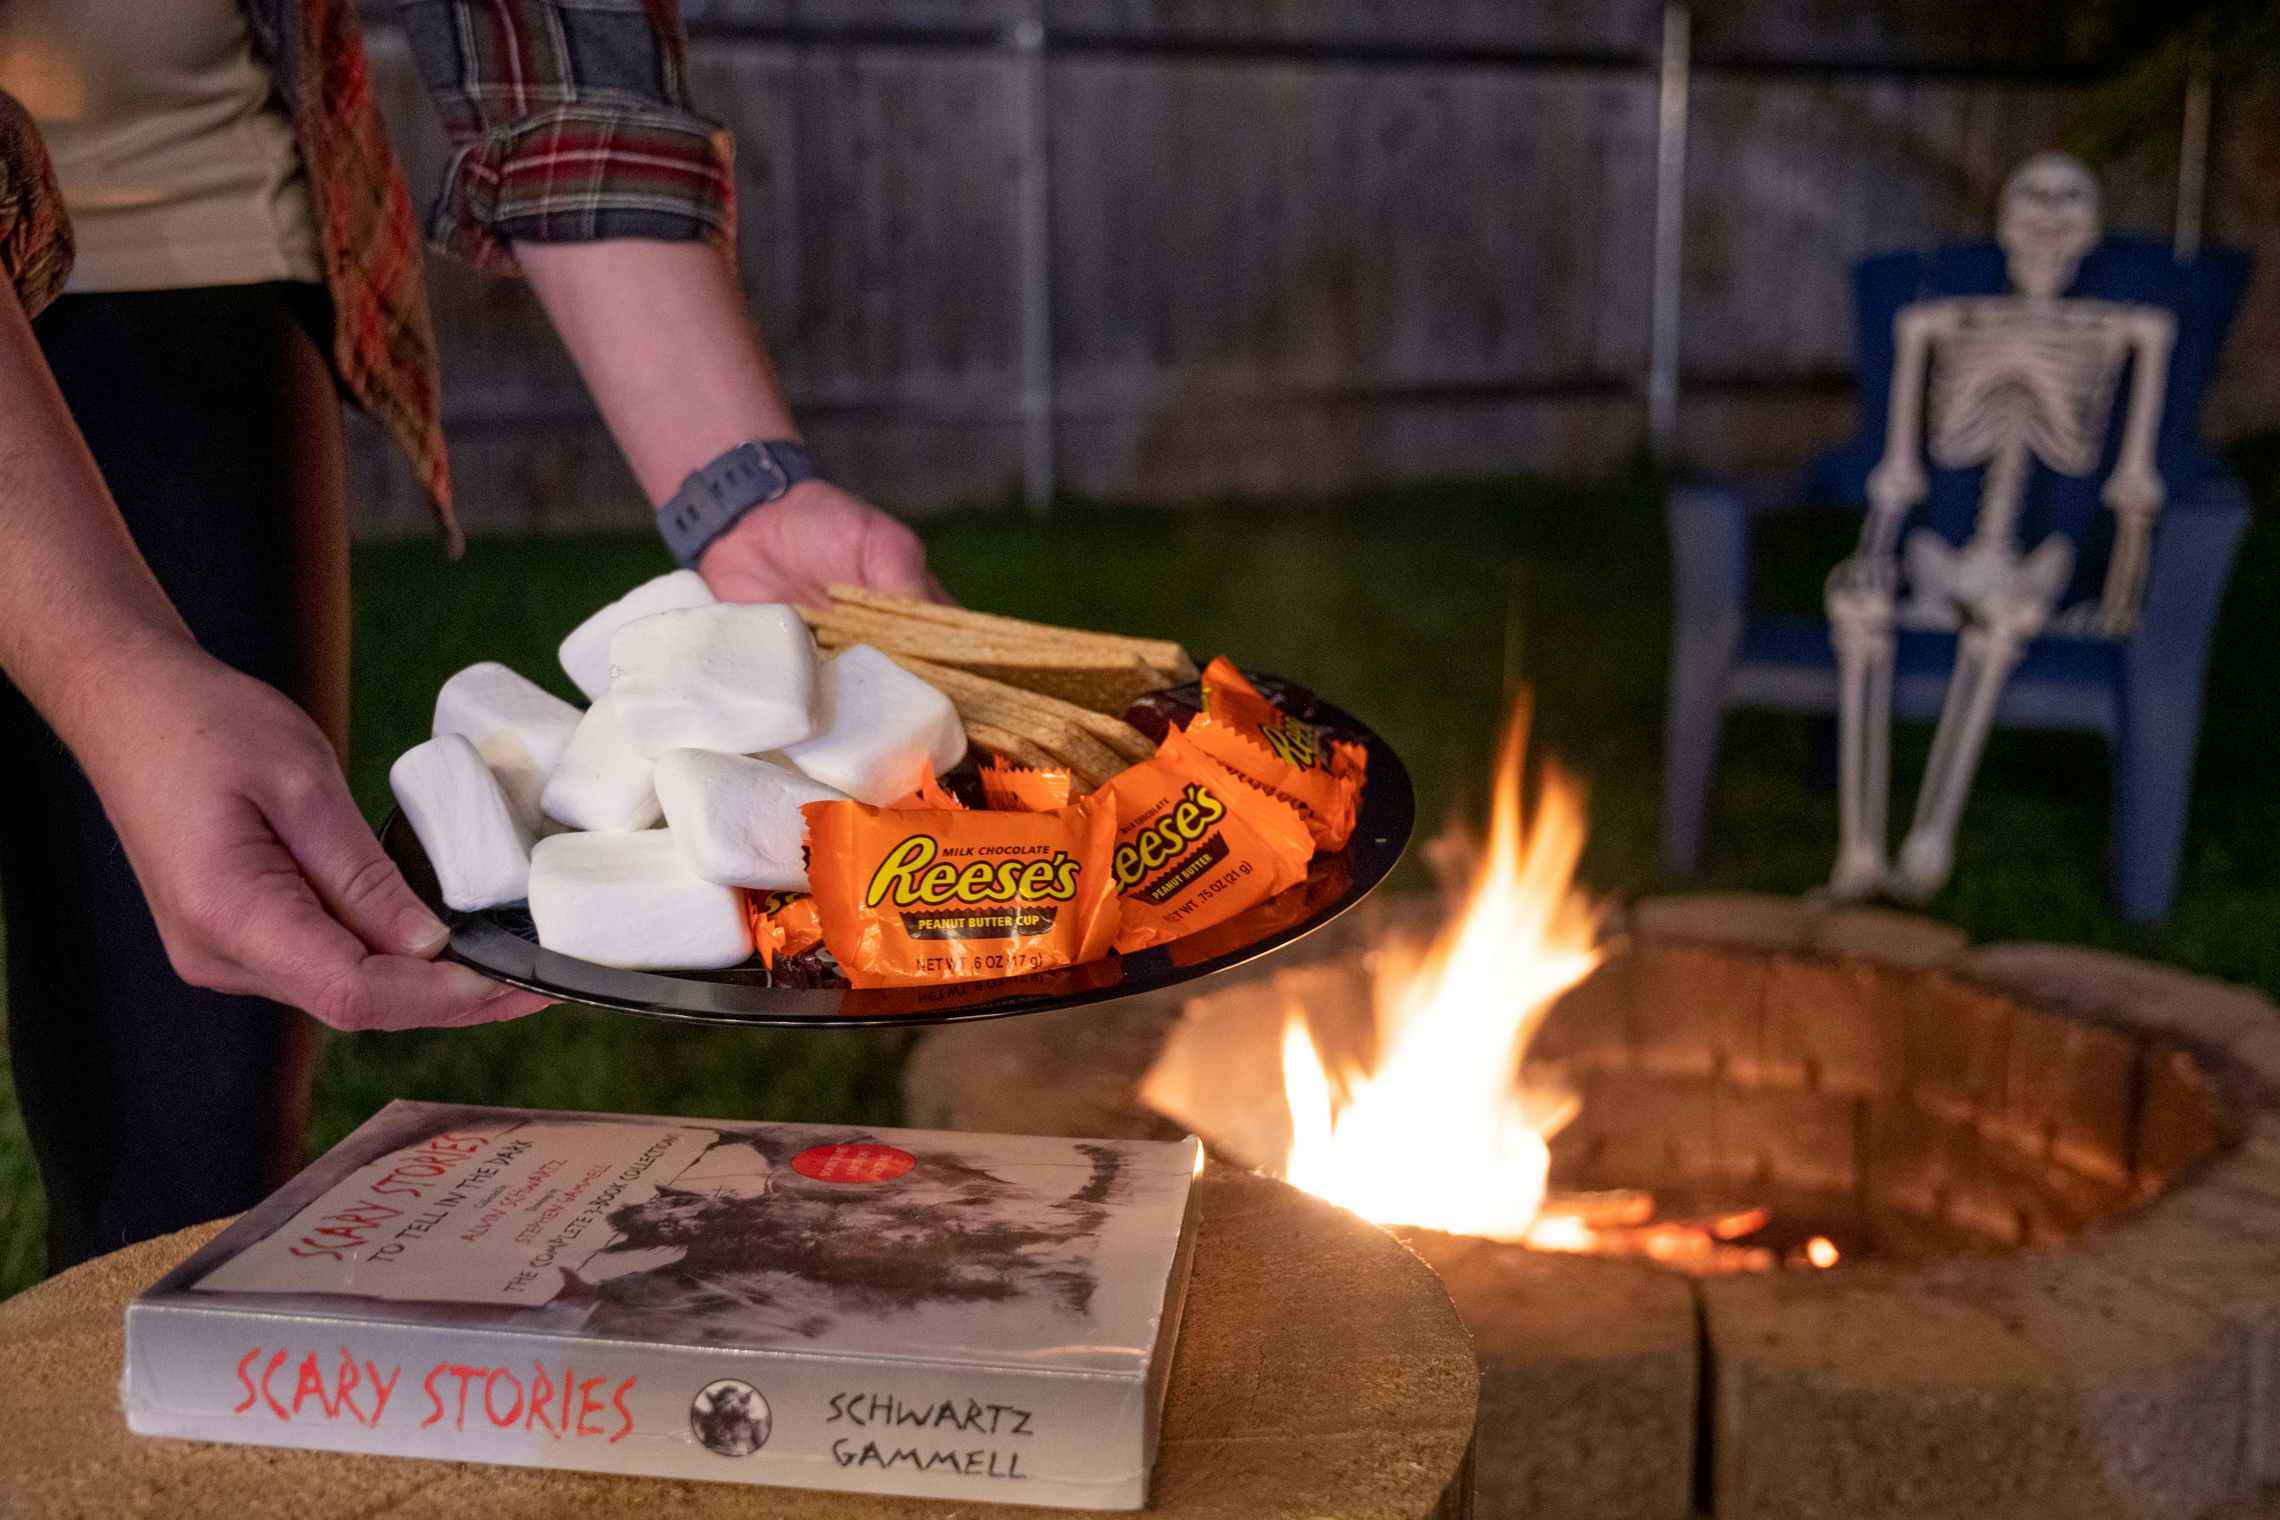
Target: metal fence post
(1038, 463)
(1670, 232)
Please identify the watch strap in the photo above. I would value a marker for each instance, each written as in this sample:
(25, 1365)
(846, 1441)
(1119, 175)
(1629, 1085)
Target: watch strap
(711, 500)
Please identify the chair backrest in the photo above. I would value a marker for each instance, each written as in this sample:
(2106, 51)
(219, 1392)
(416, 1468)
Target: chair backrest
(2203, 293)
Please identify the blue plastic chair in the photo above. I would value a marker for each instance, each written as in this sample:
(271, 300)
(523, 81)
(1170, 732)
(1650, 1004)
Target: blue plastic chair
(2143, 694)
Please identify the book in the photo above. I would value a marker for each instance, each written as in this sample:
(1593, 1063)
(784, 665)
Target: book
(981, 1317)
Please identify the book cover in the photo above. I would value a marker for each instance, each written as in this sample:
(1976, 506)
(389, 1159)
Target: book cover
(887, 1311)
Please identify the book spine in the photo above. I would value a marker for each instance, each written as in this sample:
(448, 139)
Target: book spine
(797, 1419)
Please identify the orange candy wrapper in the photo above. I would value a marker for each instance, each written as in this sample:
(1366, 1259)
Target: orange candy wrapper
(783, 924)
(1197, 844)
(920, 896)
(1018, 789)
(1319, 776)
(929, 795)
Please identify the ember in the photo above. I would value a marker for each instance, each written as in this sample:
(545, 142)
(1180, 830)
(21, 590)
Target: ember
(1438, 1131)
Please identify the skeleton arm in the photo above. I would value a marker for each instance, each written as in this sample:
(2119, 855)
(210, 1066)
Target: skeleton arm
(1898, 481)
(2134, 491)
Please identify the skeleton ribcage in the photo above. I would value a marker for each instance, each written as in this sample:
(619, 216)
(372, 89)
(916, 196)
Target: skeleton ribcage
(2037, 375)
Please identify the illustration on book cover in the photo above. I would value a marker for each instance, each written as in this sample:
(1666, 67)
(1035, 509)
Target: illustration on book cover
(707, 1233)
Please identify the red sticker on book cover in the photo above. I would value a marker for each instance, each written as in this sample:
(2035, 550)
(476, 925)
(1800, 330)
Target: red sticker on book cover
(853, 1163)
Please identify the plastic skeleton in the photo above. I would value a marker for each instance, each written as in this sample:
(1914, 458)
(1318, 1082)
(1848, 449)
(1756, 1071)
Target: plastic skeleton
(2014, 379)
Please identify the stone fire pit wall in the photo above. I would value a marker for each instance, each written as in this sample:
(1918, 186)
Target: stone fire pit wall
(2065, 1166)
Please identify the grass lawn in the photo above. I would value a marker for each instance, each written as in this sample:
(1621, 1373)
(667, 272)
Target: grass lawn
(1414, 608)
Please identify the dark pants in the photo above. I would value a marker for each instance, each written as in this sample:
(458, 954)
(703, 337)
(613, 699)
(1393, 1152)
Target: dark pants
(153, 1104)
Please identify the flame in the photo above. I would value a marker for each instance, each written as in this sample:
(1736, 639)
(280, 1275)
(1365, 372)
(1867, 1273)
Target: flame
(1439, 1133)
(1821, 1251)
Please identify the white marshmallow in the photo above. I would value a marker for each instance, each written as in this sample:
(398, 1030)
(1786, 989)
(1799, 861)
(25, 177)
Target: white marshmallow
(518, 727)
(737, 819)
(480, 852)
(602, 782)
(734, 677)
(882, 726)
(630, 900)
(586, 653)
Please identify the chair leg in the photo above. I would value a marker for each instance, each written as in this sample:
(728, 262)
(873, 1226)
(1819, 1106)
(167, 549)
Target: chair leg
(2153, 784)
(1690, 760)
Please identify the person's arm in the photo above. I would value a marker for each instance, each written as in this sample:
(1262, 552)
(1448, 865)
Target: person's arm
(661, 333)
(259, 870)
(582, 162)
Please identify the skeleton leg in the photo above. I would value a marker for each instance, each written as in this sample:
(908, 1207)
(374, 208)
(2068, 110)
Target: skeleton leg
(1860, 597)
(2124, 592)
(2005, 618)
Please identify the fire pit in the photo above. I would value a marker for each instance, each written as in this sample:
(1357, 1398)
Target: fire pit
(2053, 1176)
(1958, 1232)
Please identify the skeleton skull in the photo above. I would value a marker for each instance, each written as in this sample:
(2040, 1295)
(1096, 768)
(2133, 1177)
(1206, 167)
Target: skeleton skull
(2047, 220)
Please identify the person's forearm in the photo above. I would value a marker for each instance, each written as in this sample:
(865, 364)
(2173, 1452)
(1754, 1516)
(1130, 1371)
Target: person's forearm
(667, 346)
(75, 593)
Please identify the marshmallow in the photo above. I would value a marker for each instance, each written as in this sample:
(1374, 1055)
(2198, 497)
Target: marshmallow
(629, 900)
(882, 727)
(480, 852)
(602, 781)
(733, 677)
(519, 728)
(586, 653)
(738, 820)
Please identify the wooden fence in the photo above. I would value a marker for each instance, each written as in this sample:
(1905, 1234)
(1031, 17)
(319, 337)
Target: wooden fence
(1294, 243)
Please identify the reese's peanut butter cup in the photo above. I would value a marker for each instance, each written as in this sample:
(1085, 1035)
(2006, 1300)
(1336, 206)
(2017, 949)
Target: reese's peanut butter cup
(783, 924)
(1024, 789)
(930, 794)
(1196, 844)
(1283, 756)
(918, 896)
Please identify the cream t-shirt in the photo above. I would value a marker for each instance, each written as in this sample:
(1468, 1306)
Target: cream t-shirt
(177, 163)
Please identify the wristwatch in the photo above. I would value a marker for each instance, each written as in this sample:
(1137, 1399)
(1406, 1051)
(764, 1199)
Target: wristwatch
(710, 501)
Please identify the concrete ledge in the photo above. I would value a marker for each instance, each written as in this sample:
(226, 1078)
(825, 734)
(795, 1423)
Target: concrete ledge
(2029, 1385)
(2103, 985)
(1597, 1362)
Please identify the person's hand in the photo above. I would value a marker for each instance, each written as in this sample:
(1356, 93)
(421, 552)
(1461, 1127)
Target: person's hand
(260, 871)
(816, 535)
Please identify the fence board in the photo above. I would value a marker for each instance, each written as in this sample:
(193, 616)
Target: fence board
(1623, 26)
(1222, 228)
(1790, 180)
(1970, 35)
(1299, 267)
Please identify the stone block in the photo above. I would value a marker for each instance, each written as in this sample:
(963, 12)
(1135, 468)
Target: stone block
(2181, 1118)
(2068, 1094)
(2215, 1241)
(1957, 1036)
(1589, 1377)
(1758, 920)
(1805, 1140)
(1887, 935)
(2028, 1386)
(1073, 1073)
(2256, 1049)
(1636, 1129)
(1219, 1074)
(1917, 1162)
(1833, 1025)
(1693, 1004)
(1588, 1027)
(2197, 1010)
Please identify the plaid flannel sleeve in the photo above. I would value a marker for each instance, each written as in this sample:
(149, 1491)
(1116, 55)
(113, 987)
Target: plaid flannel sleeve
(35, 239)
(572, 122)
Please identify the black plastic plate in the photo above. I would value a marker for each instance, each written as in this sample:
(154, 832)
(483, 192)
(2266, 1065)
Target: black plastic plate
(500, 942)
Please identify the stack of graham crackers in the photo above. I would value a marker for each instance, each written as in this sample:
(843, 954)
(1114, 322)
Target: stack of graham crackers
(1034, 693)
